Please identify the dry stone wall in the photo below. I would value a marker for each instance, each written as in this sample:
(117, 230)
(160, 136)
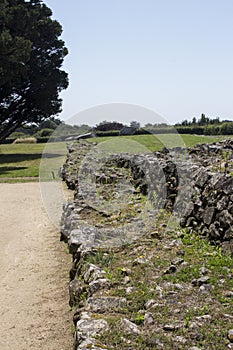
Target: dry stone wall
(195, 185)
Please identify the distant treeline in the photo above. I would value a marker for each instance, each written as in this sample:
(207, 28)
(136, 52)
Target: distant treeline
(223, 128)
(56, 130)
(201, 126)
(205, 126)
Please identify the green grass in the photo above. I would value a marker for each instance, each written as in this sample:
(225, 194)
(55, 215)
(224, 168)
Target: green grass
(21, 162)
(153, 143)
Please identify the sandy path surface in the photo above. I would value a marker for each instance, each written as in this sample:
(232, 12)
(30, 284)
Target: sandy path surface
(34, 311)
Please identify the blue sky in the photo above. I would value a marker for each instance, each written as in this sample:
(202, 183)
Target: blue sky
(174, 57)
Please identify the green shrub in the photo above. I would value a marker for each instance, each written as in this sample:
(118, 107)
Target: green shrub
(226, 129)
(197, 130)
(212, 130)
(168, 130)
(44, 132)
(17, 135)
(107, 133)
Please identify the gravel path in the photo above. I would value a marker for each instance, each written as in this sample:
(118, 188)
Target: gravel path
(34, 309)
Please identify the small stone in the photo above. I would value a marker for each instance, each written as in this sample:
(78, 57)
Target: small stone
(171, 269)
(154, 234)
(180, 253)
(209, 215)
(92, 273)
(85, 316)
(130, 327)
(176, 311)
(159, 290)
(174, 243)
(151, 303)
(206, 288)
(149, 319)
(129, 290)
(203, 270)
(200, 281)
(204, 318)
(105, 304)
(170, 327)
(126, 280)
(178, 286)
(230, 335)
(89, 328)
(159, 344)
(94, 286)
(177, 261)
(228, 316)
(181, 339)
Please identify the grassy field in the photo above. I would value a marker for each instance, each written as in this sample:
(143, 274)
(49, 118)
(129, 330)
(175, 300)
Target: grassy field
(157, 142)
(21, 162)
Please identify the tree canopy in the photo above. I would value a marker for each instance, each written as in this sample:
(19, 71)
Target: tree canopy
(31, 57)
(134, 124)
(107, 126)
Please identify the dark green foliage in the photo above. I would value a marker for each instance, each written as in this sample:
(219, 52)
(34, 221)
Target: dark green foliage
(196, 130)
(44, 132)
(226, 129)
(202, 121)
(109, 126)
(155, 130)
(51, 123)
(31, 55)
(134, 124)
(107, 133)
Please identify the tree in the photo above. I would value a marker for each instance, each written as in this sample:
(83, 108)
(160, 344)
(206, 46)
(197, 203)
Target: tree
(44, 132)
(134, 124)
(108, 126)
(185, 123)
(226, 128)
(31, 56)
(203, 120)
(148, 125)
(194, 121)
(51, 123)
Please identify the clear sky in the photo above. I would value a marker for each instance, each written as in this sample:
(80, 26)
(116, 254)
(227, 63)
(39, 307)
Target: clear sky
(172, 56)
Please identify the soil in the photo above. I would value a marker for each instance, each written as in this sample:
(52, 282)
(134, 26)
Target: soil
(34, 279)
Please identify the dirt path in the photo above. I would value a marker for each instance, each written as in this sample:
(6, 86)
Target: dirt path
(34, 311)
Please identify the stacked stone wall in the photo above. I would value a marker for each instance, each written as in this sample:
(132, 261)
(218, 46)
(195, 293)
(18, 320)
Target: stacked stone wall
(194, 185)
